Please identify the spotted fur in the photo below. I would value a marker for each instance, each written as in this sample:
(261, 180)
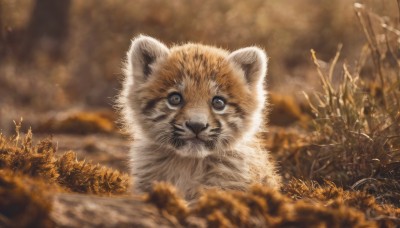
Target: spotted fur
(224, 152)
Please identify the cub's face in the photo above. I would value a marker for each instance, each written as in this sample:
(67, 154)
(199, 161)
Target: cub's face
(194, 99)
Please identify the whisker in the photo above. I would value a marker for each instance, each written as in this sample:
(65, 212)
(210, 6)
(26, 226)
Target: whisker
(177, 125)
(216, 130)
(178, 129)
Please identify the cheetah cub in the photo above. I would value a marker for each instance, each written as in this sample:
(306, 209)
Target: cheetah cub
(193, 111)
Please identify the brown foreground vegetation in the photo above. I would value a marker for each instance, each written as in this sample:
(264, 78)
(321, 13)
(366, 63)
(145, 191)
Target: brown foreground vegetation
(37, 189)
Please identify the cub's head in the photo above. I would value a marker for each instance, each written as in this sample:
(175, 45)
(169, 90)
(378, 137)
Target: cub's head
(194, 99)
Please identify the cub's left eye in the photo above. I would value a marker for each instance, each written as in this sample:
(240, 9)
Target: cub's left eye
(218, 103)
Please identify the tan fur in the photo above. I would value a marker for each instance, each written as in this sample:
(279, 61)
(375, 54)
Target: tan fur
(226, 155)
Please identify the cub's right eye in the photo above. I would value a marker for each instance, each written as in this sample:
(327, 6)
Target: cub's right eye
(175, 99)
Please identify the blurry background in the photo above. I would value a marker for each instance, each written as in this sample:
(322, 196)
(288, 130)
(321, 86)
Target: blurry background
(58, 56)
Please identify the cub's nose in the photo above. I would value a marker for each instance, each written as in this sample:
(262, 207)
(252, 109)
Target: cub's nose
(196, 127)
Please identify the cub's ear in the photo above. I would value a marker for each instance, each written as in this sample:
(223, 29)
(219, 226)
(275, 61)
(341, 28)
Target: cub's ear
(253, 61)
(144, 51)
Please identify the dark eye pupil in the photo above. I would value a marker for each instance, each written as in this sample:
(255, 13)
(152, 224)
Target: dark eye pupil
(218, 103)
(174, 99)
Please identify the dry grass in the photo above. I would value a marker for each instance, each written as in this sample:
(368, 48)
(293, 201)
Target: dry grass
(304, 205)
(21, 156)
(83, 122)
(30, 174)
(24, 201)
(331, 195)
(24, 167)
(167, 201)
(355, 140)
